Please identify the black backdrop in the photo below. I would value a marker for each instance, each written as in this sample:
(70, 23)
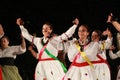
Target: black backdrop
(59, 12)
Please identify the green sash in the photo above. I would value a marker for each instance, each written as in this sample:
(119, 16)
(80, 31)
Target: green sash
(52, 56)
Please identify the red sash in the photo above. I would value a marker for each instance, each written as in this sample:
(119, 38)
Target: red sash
(41, 52)
(0, 73)
(74, 63)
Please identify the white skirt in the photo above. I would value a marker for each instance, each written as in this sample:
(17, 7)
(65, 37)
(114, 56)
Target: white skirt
(100, 72)
(49, 70)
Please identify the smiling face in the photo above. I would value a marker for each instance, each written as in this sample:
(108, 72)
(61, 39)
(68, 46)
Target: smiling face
(83, 32)
(47, 30)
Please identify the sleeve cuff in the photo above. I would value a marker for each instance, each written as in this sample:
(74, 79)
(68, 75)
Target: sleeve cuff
(23, 50)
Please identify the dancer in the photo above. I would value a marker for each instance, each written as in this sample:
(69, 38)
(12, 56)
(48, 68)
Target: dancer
(7, 56)
(48, 66)
(103, 67)
(83, 55)
(114, 55)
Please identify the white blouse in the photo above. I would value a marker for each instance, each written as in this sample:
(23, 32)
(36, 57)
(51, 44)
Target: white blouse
(11, 51)
(52, 44)
(91, 50)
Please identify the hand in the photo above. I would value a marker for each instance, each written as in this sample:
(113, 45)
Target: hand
(1, 30)
(110, 18)
(107, 32)
(19, 21)
(112, 47)
(76, 21)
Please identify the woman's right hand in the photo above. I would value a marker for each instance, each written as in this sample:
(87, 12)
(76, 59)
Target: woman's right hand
(110, 18)
(19, 21)
(76, 21)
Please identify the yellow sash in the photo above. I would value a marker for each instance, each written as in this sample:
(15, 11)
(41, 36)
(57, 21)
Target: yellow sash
(103, 46)
(84, 56)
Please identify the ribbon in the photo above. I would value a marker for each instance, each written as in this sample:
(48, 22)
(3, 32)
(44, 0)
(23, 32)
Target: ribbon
(0, 73)
(52, 56)
(84, 56)
(103, 46)
(41, 52)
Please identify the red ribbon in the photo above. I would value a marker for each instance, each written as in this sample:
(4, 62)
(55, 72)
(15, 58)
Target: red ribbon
(0, 73)
(41, 52)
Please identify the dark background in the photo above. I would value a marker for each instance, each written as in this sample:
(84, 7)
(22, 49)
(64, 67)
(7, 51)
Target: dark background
(60, 13)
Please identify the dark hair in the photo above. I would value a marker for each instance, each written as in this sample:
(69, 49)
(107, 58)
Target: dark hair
(86, 26)
(5, 37)
(99, 33)
(49, 24)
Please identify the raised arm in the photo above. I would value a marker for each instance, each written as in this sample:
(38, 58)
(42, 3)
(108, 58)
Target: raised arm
(23, 44)
(1, 31)
(114, 23)
(21, 48)
(69, 32)
(24, 31)
(108, 41)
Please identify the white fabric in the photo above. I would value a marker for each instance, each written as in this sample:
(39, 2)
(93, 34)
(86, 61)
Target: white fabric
(113, 55)
(51, 70)
(100, 71)
(108, 43)
(118, 75)
(46, 67)
(11, 51)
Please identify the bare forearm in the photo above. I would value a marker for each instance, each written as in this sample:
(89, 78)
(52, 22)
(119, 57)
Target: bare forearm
(116, 25)
(33, 53)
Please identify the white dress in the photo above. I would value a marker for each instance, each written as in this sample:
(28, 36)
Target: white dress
(80, 69)
(47, 68)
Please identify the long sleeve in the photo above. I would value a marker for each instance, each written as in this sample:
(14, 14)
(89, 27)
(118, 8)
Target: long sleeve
(108, 43)
(26, 34)
(67, 34)
(114, 55)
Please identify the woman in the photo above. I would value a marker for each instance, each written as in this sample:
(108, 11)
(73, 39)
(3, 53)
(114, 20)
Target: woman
(48, 66)
(83, 55)
(115, 56)
(7, 56)
(1, 34)
(102, 68)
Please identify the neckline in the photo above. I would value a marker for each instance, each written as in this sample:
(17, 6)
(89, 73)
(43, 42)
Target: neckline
(44, 43)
